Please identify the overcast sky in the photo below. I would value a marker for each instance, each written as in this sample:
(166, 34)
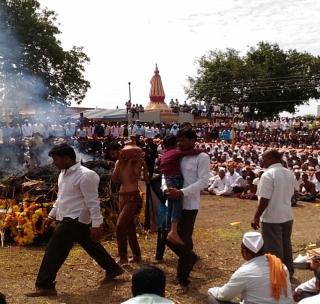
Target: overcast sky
(126, 38)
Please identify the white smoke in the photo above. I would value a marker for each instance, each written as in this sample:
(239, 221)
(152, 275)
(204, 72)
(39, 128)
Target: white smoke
(20, 89)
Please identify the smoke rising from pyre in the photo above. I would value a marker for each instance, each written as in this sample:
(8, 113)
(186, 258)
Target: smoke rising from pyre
(20, 90)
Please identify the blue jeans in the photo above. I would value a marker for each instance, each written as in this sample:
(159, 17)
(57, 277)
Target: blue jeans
(174, 205)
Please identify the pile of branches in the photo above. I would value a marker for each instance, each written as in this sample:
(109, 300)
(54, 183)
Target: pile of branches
(40, 186)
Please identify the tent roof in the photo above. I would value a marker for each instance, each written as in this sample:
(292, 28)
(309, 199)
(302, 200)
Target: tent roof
(103, 114)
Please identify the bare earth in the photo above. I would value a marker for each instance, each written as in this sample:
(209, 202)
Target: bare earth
(216, 241)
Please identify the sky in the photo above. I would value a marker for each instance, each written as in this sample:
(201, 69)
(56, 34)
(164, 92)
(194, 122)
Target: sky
(125, 39)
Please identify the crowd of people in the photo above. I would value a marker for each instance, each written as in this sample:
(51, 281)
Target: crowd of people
(93, 137)
(207, 159)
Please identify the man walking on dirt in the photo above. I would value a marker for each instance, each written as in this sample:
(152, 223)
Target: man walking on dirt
(275, 191)
(77, 210)
(127, 173)
(196, 173)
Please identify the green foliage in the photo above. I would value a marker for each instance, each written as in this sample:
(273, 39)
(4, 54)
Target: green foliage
(267, 78)
(32, 52)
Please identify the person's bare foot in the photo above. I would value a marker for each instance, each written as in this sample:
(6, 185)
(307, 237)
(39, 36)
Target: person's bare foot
(174, 238)
(182, 289)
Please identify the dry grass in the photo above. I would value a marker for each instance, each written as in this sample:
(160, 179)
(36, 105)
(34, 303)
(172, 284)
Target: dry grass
(216, 241)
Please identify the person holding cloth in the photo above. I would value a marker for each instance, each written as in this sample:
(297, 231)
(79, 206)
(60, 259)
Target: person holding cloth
(77, 211)
(195, 171)
(170, 168)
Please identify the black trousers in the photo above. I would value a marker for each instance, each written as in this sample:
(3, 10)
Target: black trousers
(161, 242)
(277, 241)
(66, 233)
(185, 253)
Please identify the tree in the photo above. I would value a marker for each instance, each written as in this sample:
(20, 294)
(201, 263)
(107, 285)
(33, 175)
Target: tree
(267, 79)
(33, 64)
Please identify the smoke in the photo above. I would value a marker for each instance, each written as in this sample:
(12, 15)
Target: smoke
(21, 91)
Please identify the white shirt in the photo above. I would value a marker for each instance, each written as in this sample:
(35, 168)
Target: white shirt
(196, 173)
(311, 300)
(308, 286)
(232, 178)
(277, 184)
(78, 196)
(148, 299)
(221, 186)
(256, 181)
(149, 132)
(317, 183)
(240, 182)
(252, 282)
(298, 183)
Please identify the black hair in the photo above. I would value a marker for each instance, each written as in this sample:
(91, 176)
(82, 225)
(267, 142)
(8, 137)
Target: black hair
(148, 279)
(188, 132)
(114, 146)
(275, 154)
(63, 150)
(2, 298)
(169, 141)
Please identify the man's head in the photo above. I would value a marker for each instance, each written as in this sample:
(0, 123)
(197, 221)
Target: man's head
(244, 174)
(271, 157)
(63, 156)
(252, 245)
(148, 279)
(186, 138)
(222, 173)
(231, 168)
(114, 150)
(169, 141)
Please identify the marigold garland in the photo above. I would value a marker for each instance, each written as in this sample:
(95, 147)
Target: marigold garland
(24, 220)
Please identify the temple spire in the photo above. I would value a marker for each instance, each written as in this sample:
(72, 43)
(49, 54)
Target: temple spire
(156, 90)
(157, 95)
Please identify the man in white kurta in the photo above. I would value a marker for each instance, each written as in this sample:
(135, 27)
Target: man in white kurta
(221, 184)
(252, 280)
(196, 173)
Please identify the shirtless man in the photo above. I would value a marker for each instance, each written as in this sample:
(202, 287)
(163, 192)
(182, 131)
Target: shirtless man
(127, 173)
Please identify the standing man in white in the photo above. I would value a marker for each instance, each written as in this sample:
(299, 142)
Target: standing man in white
(196, 173)
(275, 191)
(77, 211)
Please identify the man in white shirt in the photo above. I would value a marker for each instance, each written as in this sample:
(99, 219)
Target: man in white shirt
(253, 279)
(149, 131)
(148, 286)
(196, 173)
(77, 210)
(311, 288)
(275, 192)
(221, 184)
(232, 175)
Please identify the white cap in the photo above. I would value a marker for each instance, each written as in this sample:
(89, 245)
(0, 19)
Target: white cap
(253, 241)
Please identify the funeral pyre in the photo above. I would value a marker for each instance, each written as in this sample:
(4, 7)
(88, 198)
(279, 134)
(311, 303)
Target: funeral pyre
(26, 200)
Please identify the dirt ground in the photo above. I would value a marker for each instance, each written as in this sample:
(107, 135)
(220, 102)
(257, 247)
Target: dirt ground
(216, 241)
